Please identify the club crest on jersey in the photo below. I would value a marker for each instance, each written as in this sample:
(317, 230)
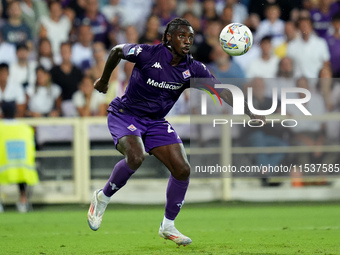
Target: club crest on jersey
(132, 127)
(131, 51)
(186, 74)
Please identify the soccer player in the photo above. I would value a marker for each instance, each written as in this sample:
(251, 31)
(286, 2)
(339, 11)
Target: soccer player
(136, 120)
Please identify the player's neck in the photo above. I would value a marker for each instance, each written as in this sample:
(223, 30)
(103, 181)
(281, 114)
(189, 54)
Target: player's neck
(176, 58)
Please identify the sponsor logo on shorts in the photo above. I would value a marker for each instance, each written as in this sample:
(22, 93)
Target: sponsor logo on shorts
(132, 127)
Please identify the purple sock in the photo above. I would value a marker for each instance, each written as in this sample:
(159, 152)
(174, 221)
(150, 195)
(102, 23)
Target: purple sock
(119, 176)
(175, 194)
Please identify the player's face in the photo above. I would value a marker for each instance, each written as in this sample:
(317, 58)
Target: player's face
(182, 39)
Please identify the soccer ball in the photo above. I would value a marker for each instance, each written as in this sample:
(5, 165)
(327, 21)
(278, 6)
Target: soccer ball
(236, 39)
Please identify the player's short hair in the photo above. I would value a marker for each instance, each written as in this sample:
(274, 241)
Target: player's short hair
(172, 26)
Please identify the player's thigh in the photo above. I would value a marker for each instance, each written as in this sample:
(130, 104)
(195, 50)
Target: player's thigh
(126, 132)
(130, 144)
(132, 147)
(173, 156)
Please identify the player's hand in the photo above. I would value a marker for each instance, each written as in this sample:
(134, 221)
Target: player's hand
(101, 86)
(258, 119)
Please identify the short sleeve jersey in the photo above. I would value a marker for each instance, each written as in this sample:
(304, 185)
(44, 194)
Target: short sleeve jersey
(155, 85)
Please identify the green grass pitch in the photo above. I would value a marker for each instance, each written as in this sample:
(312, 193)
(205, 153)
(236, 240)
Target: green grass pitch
(215, 228)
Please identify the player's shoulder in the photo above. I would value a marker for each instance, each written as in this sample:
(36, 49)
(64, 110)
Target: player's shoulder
(197, 66)
(142, 47)
(141, 50)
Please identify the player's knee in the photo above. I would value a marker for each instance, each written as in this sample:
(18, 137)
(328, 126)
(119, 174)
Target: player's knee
(134, 161)
(182, 173)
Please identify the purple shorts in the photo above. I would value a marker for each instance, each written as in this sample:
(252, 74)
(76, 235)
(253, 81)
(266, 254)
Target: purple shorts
(154, 133)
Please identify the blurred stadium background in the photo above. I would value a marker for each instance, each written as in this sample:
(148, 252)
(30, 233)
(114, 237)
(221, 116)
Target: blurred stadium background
(70, 39)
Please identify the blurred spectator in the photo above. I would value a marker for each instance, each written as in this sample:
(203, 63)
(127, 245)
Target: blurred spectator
(82, 55)
(333, 41)
(88, 101)
(189, 6)
(308, 133)
(333, 125)
(135, 12)
(325, 85)
(239, 10)
(272, 26)
(131, 34)
(252, 22)
(209, 13)
(223, 66)
(22, 73)
(77, 6)
(17, 157)
(227, 16)
(14, 30)
(10, 92)
(100, 56)
(151, 34)
(164, 10)
(7, 51)
(266, 65)
(267, 135)
(1, 20)
(67, 76)
(309, 52)
(113, 12)
(45, 97)
(285, 76)
(196, 25)
(99, 25)
(32, 12)
(211, 36)
(322, 15)
(290, 34)
(309, 5)
(56, 27)
(286, 7)
(45, 54)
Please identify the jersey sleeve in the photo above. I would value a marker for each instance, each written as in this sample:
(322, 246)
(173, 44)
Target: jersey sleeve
(203, 78)
(137, 53)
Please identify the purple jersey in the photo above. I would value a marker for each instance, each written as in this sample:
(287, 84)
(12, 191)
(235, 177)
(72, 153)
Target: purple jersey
(334, 50)
(322, 21)
(155, 85)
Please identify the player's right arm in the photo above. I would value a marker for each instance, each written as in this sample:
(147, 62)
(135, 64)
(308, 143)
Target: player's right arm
(116, 54)
(140, 54)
